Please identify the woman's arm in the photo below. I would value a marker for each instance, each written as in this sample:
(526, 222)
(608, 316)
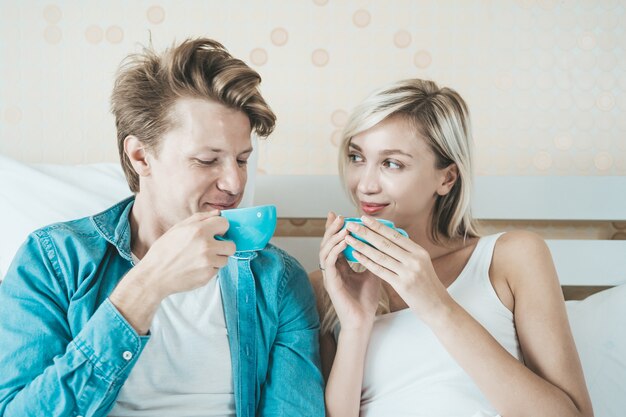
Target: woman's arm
(553, 383)
(556, 385)
(342, 362)
(355, 299)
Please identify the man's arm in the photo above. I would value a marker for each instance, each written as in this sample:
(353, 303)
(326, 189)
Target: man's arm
(294, 384)
(44, 369)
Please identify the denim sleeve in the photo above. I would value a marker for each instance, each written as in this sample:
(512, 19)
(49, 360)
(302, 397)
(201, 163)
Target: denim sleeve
(294, 385)
(44, 369)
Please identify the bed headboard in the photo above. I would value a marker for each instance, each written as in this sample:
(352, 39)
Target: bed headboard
(583, 219)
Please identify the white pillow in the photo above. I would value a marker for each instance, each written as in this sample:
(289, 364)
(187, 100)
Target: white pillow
(599, 327)
(34, 196)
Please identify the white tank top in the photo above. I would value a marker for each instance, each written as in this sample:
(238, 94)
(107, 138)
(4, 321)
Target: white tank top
(185, 368)
(407, 370)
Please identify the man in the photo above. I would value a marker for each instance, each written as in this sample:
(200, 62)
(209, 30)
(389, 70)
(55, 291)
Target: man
(139, 310)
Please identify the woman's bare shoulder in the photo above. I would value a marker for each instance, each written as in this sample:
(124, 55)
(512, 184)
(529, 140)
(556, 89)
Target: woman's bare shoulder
(518, 245)
(523, 257)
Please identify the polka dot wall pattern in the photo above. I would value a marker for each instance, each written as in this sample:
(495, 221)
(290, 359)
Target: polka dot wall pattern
(279, 36)
(545, 79)
(155, 14)
(52, 33)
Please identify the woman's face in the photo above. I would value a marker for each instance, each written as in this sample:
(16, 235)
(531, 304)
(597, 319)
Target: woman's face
(391, 173)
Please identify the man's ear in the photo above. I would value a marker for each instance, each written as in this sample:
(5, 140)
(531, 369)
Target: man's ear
(137, 154)
(450, 175)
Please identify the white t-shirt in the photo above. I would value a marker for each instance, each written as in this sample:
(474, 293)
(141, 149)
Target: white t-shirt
(185, 368)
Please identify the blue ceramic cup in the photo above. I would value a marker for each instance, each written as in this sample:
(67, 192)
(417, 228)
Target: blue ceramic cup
(348, 252)
(251, 228)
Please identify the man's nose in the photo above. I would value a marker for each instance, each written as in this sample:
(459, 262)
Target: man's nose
(232, 179)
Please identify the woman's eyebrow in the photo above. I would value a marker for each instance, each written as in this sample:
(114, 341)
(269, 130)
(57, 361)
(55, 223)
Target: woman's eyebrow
(386, 152)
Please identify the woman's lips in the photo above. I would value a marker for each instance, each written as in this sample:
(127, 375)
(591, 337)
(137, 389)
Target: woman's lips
(372, 208)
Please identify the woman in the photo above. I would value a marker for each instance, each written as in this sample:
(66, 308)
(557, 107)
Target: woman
(444, 322)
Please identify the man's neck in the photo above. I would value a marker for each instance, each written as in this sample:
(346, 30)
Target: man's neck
(144, 225)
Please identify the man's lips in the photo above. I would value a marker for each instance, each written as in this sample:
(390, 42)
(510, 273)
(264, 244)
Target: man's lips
(371, 208)
(223, 206)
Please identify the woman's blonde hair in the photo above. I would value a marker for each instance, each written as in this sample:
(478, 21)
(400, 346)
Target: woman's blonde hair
(148, 85)
(441, 117)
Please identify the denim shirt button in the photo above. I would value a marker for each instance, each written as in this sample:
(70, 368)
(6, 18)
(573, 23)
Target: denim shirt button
(127, 355)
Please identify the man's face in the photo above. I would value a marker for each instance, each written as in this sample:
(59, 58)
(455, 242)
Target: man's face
(201, 163)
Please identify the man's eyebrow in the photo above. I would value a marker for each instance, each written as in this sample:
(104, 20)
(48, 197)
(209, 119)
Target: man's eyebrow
(386, 152)
(208, 149)
(218, 150)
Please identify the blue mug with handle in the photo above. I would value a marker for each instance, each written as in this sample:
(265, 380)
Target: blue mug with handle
(348, 252)
(251, 228)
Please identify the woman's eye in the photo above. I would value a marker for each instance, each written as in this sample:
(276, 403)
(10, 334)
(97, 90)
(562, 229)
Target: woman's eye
(242, 163)
(392, 164)
(355, 158)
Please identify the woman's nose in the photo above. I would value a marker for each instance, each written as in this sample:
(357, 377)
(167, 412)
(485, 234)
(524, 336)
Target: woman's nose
(369, 182)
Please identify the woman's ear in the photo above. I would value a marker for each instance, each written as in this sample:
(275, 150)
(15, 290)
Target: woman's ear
(136, 152)
(450, 175)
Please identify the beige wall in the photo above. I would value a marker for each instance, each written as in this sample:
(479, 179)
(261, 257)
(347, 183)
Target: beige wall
(545, 79)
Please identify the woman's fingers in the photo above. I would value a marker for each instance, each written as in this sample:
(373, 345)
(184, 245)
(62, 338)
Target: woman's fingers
(380, 242)
(385, 239)
(380, 271)
(334, 223)
(329, 245)
(332, 235)
(331, 259)
(375, 255)
(332, 277)
(330, 218)
(390, 234)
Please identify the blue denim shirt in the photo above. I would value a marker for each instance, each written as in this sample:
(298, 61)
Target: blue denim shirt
(65, 350)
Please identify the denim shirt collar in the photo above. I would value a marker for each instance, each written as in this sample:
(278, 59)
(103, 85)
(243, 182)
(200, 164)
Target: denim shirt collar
(113, 225)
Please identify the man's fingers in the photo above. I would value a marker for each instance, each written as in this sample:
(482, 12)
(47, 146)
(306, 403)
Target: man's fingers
(225, 248)
(212, 226)
(219, 261)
